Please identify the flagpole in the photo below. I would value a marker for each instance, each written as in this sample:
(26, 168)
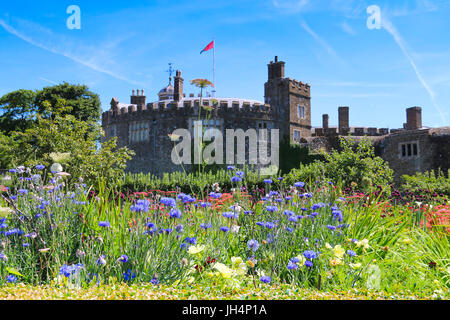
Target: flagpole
(214, 68)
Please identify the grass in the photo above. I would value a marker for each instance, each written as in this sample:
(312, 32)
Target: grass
(123, 291)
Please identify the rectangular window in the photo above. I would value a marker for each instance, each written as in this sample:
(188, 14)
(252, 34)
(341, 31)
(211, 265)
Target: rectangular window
(139, 131)
(297, 136)
(301, 112)
(409, 150)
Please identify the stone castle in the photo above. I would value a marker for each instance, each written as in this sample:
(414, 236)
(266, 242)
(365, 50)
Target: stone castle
(145, 127)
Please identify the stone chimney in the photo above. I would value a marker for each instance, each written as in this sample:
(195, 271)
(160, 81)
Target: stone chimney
(178, 88)
(276, 69)
(325, 119)
(413, 118)
(115, 105)
(344, 124)
(138, 99)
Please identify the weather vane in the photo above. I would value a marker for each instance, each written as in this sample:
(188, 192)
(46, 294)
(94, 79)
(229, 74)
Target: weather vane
(170, 71)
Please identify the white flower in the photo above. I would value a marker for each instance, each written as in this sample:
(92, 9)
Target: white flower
(235, 228)
(196, 249)
(364, 243)
(224, 270)
(56, 167)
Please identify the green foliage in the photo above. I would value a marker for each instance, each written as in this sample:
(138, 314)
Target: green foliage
(432, 181)
(79, 102)
(291, 155)
(77, 139)
(359, 166)
(19, 109)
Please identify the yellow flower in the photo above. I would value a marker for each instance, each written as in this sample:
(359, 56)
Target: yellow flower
(301, 259)
(238, 265)
(339, 252)
(328, 246)
(224, 270)
(250, 263)
(336, 262)
(407, 241)
(196, 249)
(355, 265)
(364, 243)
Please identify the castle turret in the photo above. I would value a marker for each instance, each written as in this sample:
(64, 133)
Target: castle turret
(178, 88)
(290, 101)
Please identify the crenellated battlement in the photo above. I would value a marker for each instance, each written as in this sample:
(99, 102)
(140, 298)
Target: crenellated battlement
(225, 107)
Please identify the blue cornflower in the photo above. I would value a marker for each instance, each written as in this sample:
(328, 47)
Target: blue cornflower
(12, 232)
(314, 214)
(272, 208)
(40, 167)
(291, 265)
(337, 214)
(261, 224)
(240, 174)
(205, 226)
(205, 204)
(154, 281)
(309, 254)
(253, 245)
(293, 219)
(179, 228)
(104, 224)
(25, 245)
(215, 195)
(3, 257)
(265, 279)
(236, 179)
(175, 213)
(332, 228)
(13, 170)
(290, 230)
(230, 168)
(168, 231)
(269, 225)
(224, 229)
(123, 258)
(11, 279)
(299, 184)
(230, 215)
(280, 178)
(288, 213)
(101, 260)
(192, 240)
(351, 253)
(248, 212)
(309, 264)
(128, 276)
(151, 226)
(268, 181)
(170, 202)
(22, 191)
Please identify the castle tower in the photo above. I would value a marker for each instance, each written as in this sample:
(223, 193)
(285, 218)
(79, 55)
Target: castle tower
(138, 99)
(290, 101)
(178, 89)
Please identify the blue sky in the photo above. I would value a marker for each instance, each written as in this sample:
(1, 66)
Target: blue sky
(126, 45)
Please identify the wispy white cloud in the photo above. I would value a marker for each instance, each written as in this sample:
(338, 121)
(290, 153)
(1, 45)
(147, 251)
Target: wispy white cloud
(292, 6)
(49, 81)
(347, 28)
(328, 48)
(94, 58)
(408, 53)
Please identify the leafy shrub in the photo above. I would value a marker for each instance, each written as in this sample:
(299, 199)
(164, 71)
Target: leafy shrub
(435, 182)
(359, 166)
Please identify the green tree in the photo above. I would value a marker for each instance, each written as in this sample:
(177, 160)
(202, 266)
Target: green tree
(77, 141)
(17, 110)
(79, 102)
